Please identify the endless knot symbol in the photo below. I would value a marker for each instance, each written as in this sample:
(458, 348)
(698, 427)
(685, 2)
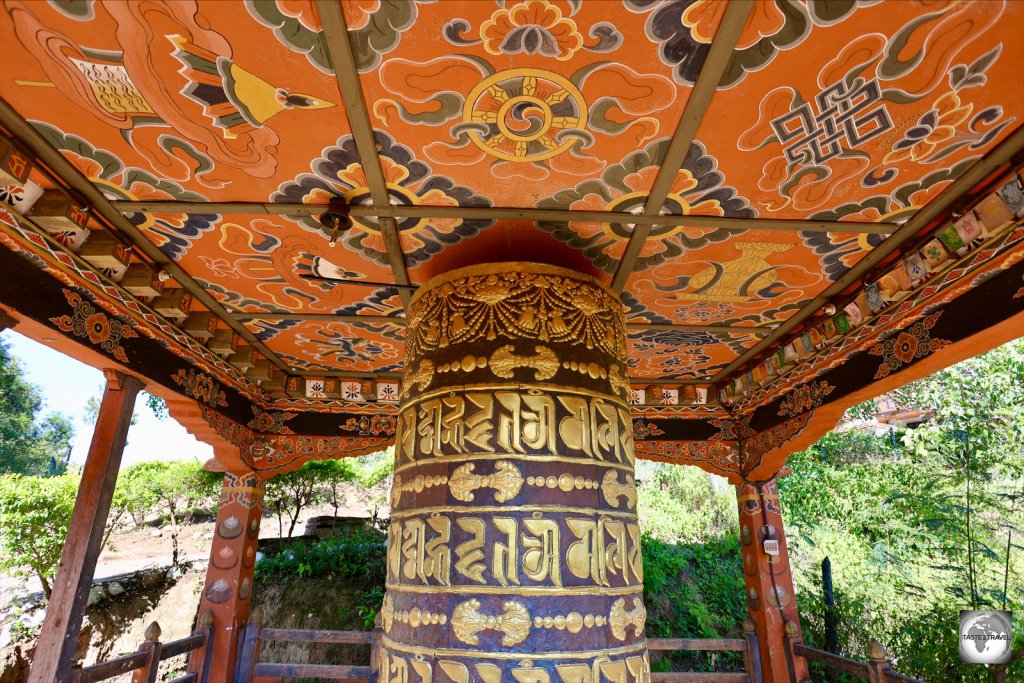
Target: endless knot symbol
(847, 118)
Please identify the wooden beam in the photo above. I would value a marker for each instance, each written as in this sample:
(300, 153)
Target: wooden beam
(711, 71)
(339, 49)
(346, 374)
(325, 317)
(721, 329)
(74, 178)
(58, 639)
(1010, 148)
(512, 214)
(6, 321)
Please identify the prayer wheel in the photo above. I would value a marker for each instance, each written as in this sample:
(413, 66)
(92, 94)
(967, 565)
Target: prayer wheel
(513, 548)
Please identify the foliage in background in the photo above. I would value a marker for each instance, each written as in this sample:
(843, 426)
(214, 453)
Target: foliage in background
(684, 503)
(29, 443)
(290, 493)
(175, 490)
(34, 516)
(918, 524)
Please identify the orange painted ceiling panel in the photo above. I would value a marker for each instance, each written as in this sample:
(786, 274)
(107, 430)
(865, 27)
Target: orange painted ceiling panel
(325, 346)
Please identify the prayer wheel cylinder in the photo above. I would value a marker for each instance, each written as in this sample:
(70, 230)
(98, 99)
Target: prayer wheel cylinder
(513, 548)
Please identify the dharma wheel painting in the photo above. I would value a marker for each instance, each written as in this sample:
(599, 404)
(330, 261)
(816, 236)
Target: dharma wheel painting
(513, 547)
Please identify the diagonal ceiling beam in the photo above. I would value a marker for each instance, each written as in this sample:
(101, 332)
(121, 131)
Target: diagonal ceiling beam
(1010, 148)
(509, 213)
(66, 171)
(339, 49)
(325, 317)
(711, 71)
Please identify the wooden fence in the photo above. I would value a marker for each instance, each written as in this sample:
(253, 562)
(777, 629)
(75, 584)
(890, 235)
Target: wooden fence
(877, 670)
(144, 664)
(249, 668)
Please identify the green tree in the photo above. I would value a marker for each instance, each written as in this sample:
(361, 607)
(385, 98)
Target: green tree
(34, 516)
(333, 475)
(178, 490)
(29, 444)
(290, 493)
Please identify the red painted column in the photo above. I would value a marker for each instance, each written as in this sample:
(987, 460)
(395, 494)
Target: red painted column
(769, 582)
(58, 638)
(229, 575)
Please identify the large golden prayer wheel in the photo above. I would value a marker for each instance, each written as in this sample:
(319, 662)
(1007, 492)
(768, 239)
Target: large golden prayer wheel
(514, 550)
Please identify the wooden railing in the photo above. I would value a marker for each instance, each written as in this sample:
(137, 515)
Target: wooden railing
(146, 661)
(877, 670)
(250, 668)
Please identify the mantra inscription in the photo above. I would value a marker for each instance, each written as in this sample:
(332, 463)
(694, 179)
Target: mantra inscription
(513, 548)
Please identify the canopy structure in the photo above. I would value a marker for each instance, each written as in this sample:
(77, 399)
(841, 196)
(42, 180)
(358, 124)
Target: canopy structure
(760, 183)
(800, 204)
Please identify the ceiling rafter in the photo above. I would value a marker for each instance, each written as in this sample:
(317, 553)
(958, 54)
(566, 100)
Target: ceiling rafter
(401, 322)
(717, 61)
(1009, 149)
(77, 181)
(339, 49)
(510, 213)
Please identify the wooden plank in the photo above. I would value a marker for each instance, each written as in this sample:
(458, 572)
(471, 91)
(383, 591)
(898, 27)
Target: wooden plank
(511, 213)
(311, 636)
(180, 647)
(698, 677)
(831, 661)
(325, 317)
(724, 329)
(58, 639)
(339, 672)
(711, 71)
(696, 644)
(945, 202)
(107, 670)
(339, 49)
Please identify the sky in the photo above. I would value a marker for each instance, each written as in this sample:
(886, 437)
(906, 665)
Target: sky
(67, 384)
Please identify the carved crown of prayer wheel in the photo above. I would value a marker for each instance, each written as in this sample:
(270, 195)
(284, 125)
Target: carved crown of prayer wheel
(514, 549)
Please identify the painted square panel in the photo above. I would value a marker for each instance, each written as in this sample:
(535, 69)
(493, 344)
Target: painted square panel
(682, 354)
(520, 100)
(865, 111)
(756, 277)
(319, 346)
(271, 263)
(184, 100)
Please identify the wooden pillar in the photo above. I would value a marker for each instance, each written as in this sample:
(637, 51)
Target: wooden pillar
(229, 574)
(769, 582)
(58, 639)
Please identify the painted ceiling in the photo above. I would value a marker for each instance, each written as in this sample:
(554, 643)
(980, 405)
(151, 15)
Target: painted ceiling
(780, 143)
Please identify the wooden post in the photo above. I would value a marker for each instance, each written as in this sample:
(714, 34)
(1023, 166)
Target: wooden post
(229, 574)
(879, 663)
(769, 584)
(58, 639)
(153, 647)
(249, 648)
(752, 652)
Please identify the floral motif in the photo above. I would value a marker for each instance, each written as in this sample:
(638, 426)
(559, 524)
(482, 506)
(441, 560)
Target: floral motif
(201, 387)
(103, 331)
(531, 27)
(698, 189)
(339, 346)
(933, 128)
(907, 346)
(716, 454)
(761, 443)
(338, 172)
(805, 397)
(642, 430)
(371, 425)
(270, 422)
